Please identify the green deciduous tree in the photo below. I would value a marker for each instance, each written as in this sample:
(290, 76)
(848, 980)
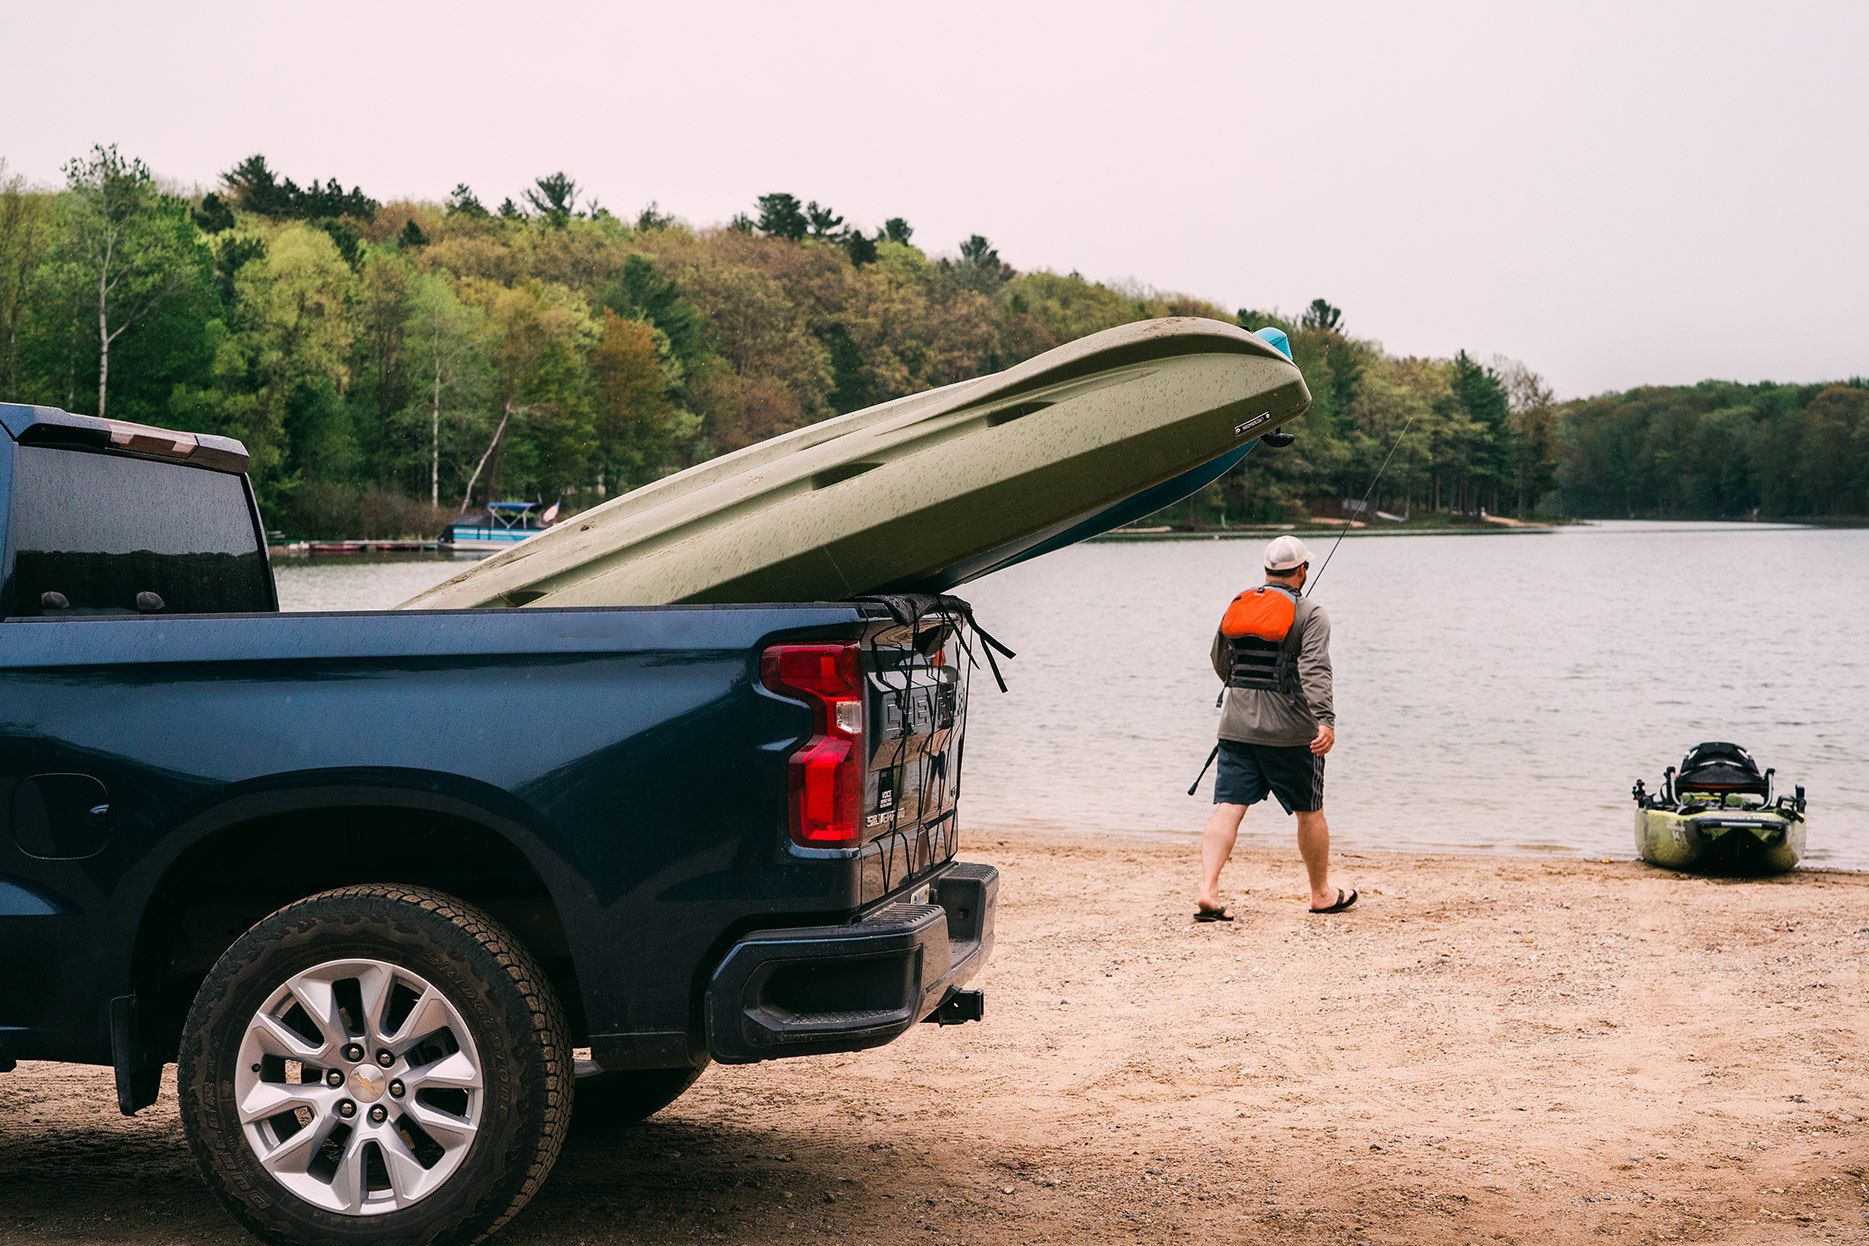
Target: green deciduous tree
(643, 291)
(446, 371)
(782, 373)
(642, 433)
(380, 303)
(541, 386)
(293, 335)
(133, 248)
(24, 237)
(1532, 433)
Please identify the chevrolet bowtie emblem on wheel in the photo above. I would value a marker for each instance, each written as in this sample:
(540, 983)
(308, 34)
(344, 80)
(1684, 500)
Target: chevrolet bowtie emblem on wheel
(367, 1082)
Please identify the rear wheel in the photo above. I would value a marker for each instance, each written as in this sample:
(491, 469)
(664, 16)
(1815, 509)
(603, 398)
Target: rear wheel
(612, 1099)
(381, 1064)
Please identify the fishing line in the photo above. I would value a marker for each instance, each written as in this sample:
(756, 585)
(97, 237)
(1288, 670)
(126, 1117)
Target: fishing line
(1362, 507)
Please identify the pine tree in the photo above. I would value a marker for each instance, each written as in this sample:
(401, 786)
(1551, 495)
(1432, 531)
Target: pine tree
(554, 197)
(823, 222)
(1483, 398)
(781, 216)
(463, 202)
(213, 216)
(860, 247)
(1321, 315)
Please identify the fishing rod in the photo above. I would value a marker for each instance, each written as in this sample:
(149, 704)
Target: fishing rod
(1362, 508)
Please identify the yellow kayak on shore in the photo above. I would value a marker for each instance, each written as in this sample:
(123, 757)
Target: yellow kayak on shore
(1718, 813)
(923, 493)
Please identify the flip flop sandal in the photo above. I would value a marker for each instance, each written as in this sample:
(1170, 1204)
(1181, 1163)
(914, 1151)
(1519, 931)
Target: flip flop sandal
(1341, 904)
(1212, 915)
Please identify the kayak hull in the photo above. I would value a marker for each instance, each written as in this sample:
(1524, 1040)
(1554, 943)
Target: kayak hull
(1736, 841)
(923, 493)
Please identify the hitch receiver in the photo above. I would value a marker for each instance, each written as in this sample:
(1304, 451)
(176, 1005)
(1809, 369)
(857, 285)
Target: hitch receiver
(958, 1007)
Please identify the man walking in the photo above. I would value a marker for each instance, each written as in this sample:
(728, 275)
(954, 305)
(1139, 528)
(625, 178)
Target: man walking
(1273, 651)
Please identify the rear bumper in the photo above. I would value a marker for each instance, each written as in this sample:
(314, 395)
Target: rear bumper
(815, 989)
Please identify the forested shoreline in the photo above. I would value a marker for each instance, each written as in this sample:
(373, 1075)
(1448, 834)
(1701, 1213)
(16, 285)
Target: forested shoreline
(390, 363)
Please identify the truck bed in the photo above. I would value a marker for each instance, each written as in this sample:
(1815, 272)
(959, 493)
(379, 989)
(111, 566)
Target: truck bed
(628, 760)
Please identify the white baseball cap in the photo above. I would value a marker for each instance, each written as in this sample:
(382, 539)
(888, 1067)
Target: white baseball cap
(1286, 553)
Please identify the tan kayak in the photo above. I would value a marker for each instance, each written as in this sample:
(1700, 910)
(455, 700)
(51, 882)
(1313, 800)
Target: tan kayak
(923, 493)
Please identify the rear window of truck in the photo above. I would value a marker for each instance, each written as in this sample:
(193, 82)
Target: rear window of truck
(95, 533)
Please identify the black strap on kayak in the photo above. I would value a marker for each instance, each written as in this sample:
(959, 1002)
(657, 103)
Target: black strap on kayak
(1204, 765)
(909, 609)
(988, 641)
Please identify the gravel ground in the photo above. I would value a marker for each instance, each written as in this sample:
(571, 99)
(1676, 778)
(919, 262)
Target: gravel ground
(1485, 1049)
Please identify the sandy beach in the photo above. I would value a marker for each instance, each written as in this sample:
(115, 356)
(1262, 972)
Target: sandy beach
(1486, 1049)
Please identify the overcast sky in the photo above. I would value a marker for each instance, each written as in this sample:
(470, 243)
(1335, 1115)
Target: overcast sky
(1616, 193)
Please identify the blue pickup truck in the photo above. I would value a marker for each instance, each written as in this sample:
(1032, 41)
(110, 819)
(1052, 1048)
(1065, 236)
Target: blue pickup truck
(376, 881)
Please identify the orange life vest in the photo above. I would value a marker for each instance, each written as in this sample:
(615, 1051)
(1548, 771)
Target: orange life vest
(1257, 625)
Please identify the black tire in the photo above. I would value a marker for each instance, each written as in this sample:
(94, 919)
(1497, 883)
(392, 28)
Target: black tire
(498, 989)
(609, 1100)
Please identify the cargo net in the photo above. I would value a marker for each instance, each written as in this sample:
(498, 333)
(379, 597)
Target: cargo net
(908, 849)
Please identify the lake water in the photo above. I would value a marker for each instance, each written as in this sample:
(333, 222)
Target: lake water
(1494, 692)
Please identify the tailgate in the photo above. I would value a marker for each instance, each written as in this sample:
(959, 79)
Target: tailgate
(917, 669)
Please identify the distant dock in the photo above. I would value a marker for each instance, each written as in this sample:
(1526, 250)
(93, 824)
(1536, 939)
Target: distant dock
(323, 548)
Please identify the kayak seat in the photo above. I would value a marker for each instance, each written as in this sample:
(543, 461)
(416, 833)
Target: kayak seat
(1720, 768)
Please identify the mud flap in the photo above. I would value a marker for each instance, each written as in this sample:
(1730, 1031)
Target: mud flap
(139, 1079)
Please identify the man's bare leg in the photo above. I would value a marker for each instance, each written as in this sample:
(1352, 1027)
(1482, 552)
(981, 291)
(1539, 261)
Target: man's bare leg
(1223, 828)
(1314, 847)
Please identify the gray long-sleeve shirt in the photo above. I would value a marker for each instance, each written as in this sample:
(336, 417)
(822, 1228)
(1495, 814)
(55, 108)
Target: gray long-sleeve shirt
(1255, 716)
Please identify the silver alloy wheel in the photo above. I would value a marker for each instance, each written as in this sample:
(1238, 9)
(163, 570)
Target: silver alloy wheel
(359, 1087)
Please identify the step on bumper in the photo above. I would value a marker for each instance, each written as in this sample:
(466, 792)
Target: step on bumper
(816, 989)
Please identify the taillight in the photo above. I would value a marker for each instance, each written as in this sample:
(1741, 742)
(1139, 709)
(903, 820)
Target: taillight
(826, 774)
